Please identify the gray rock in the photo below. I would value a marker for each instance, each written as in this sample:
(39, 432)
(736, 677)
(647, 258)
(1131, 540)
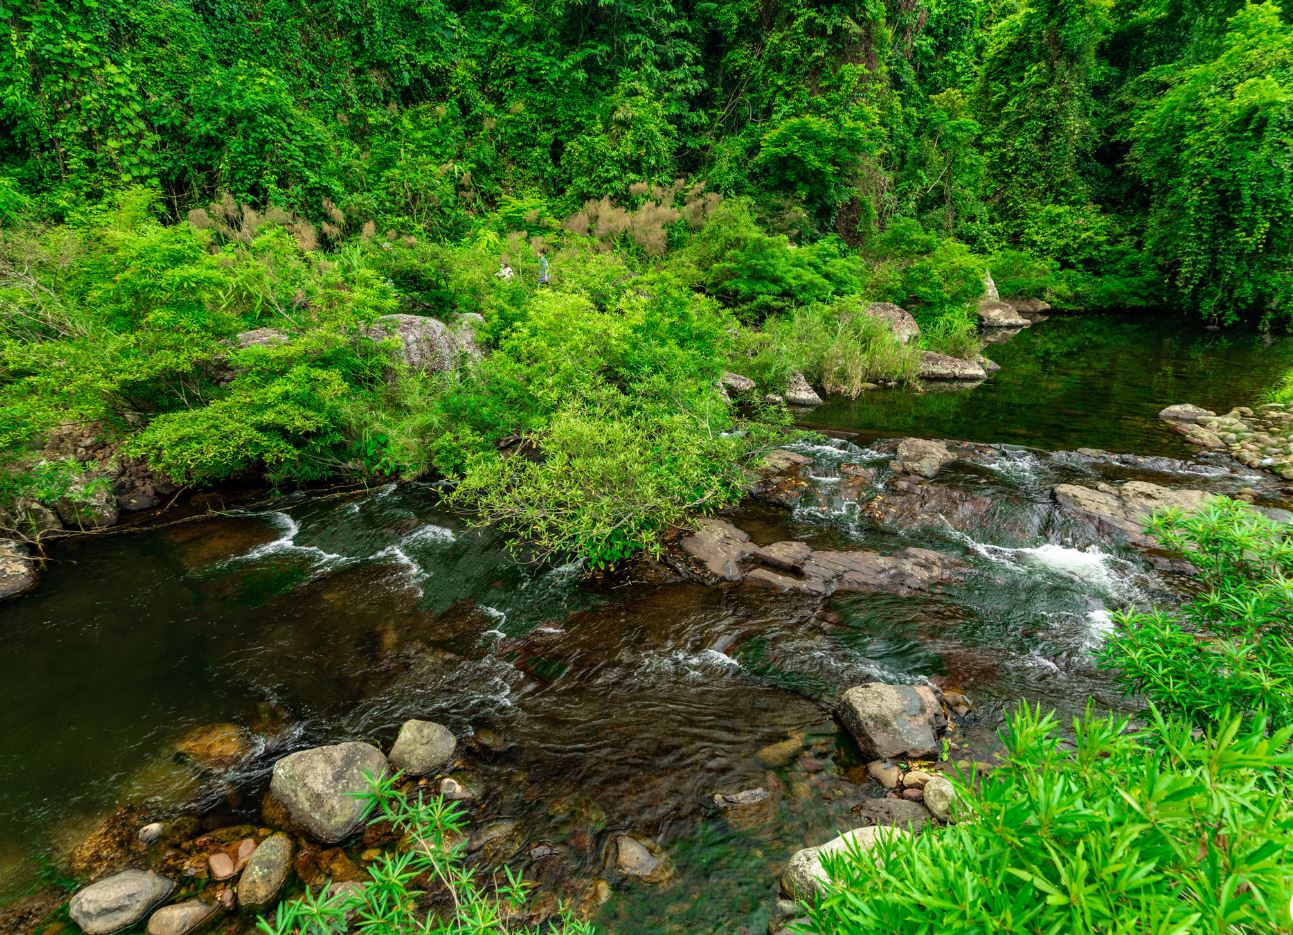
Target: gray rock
(990, 293)
(119, 901)
(890, 720)
(182, 918)
(898, 319)
(317, 787)
(788, 556)
(934, 366)
(939, 794)
(17, 569)
(261, 337)
(805, 878)
(736, 383)
(642, 859)
(1185, 412)
(426, 344)
(799, 393)
(266, 872)
(1028, 306)
(88, 506)
(422, 748)
(884, 773)
(988, 365)
(921, 456)
(893, 813)
(718, 548)
(997, 314)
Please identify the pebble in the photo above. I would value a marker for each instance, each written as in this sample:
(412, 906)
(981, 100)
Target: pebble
(222, 866)
(148, 834)
(913, 795)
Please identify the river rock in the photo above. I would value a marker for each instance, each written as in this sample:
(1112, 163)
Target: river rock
(799, 393)
(780, 478)
(425, 344)
(935, 366)
(736, 383)
(779, 754)
(1184, 412)
(805, 878)
(939, 794)
(893, 813)
(215, 746)
(266, 873)
(718, 548)
(17, 568)
(884, 773)
(88, 505)
(317, 787)
(890, 720)
(899, 320)
(921, 456)
(118, 902)
(997, 314)
(423, 748)
(642, 858)
(1198, 425)
(789, 556)
(1124, 509)
(183, 918)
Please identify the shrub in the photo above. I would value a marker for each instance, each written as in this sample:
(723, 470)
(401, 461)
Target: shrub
(955, 332)
(431, 853)
(1121, 829)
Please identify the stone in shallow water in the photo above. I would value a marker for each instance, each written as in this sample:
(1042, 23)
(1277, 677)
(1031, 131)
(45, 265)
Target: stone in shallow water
(779, 754)
(799, 393)
(890, 720)
(643, 859)
(935, 366)
(215, 746)
(266, 873)
(222, 866)
(422, 748)
(317, 787)
(182, 918)
(805, 877)
(118, 902)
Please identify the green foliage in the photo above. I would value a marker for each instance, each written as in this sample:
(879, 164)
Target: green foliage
(1216, 151)
(432, 852)
(1118, 829)
(1227, 650)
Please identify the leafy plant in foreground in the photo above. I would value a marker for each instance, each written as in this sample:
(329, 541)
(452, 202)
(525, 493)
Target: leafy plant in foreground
(431, 854)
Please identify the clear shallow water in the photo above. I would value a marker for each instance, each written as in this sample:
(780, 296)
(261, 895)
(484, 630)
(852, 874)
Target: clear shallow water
(620, 709)
(1095, 381)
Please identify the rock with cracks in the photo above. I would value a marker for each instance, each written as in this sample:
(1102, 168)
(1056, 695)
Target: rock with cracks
(805, 877)
(118, 902)
(943, 367)
(425, 344)
(890, 721)
(318, 787)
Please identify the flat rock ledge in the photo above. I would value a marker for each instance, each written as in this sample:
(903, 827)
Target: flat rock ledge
(1124, 509)
(805, 877)
(943, 367)
(719, 551)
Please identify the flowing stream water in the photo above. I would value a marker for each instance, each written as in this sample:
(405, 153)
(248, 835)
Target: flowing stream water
(591, 711)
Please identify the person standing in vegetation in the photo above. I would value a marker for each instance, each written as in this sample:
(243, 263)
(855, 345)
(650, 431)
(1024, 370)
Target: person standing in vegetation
(504, 271)
(543, 268)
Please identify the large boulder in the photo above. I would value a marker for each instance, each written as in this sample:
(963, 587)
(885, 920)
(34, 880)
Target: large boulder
(266, 873)
(318, 787)
(261, 337)
(118, 902)
(996, 314)
(426, 344)
(1195, 423)
(805, 876)
(735, 383)
(799, 393)
(921, 456)
(935, 366)
(898, 319)
(17, 569)
(423, 748)
(890, 721)
(88, 505)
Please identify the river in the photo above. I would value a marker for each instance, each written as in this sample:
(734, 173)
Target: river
(588, 710)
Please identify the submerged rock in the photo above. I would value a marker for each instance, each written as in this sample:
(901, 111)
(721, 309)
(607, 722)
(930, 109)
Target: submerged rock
(643, 859)
(266, 873)
(779, 754)
(805, 877)
(935, 366)
(318, 787)
(118, 902)
(921, 456)
(17, 569)
(899, 320)
(215, 746)
(422, 748)
(890, 720)
(183, 918)
(799, 393)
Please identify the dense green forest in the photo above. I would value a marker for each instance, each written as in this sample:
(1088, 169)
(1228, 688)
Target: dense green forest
(717, 185)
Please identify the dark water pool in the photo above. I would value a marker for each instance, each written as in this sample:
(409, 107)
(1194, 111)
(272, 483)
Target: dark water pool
(1095, 381)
